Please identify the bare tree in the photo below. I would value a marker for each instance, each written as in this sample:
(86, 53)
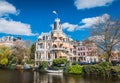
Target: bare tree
(21, 51)
(106, 34)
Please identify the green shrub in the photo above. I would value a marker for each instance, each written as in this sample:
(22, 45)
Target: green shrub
(66, 68)
(114, 73)
(73, 63)
(43, 65)
(105, 65)
(12, 66)
(12, 61)
(87, 69)
(114, 63)
(103, 69)
(95, 70)
(75, 69)
(28, 61)
(4, 61)
(59, 61)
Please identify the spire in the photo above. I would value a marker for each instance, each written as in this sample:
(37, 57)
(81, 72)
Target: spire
(56, 25)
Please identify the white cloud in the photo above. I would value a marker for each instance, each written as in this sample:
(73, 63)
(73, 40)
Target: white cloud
(86, 4)
(10, 26)
(69, 27)
(85, 23)
(89, 22)
(15, 28)
(7, 8)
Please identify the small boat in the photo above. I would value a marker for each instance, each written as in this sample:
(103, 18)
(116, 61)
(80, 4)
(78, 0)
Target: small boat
(53, 71)
(55, 74)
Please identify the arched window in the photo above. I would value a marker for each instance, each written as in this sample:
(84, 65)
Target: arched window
(61, 45)
(49, 56)
(81, 49)
(55, 55)
(48, 45)
(54, 46)
(83, 53)
(39, 56)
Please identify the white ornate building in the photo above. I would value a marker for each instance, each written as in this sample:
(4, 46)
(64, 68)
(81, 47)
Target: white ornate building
(8, 40)
(56, 44)
(85, 53)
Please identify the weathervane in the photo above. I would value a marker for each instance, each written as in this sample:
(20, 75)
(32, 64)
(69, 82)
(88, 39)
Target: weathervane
(56, 13)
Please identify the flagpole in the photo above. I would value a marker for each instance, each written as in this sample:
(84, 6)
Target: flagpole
(56, 13)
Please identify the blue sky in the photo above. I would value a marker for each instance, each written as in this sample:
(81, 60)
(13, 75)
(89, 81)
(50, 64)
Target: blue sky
(29, 18)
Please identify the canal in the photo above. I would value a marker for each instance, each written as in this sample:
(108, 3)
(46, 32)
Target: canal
(15, 76)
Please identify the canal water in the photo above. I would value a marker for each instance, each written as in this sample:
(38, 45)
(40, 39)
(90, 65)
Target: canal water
(15, 76)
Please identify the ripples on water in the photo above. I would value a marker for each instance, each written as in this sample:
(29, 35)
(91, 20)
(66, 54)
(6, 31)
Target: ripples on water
(7, 76)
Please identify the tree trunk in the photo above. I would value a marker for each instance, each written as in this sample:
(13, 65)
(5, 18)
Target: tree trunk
(108, 57)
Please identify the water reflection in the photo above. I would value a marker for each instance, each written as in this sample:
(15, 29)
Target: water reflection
(15, 76)
(60, 78)
(57, 78)
(48, 77)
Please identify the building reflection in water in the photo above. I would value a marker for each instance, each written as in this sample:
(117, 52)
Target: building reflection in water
(48, 77)
(58, 78)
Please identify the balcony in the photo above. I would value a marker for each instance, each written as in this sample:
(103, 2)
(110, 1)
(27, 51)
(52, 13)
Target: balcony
(40, 49)
(59, 49)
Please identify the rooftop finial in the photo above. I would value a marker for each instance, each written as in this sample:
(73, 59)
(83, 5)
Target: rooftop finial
(56, 13)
